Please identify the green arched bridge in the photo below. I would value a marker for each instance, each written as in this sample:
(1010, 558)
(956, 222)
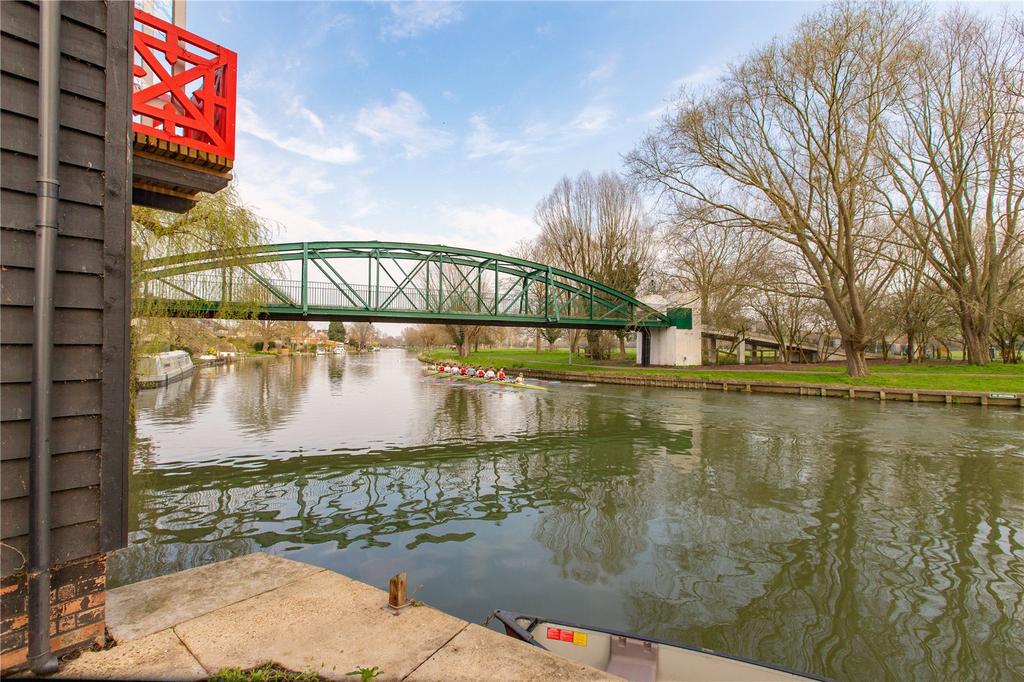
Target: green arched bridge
(388, 282)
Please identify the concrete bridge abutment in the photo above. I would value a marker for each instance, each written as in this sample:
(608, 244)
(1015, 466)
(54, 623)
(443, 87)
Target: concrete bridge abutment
(669, 346)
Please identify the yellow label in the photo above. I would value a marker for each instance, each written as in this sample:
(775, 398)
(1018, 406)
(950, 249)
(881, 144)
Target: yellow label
(579, 638)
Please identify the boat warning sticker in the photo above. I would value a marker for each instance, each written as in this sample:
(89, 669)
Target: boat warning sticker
(577, 638)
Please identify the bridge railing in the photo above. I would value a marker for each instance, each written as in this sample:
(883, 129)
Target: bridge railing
(249, 288)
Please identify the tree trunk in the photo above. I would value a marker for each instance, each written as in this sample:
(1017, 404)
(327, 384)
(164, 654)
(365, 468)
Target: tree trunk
(622, 345)
(536, 340)
(976, 340)
(594, 345)
(856, 365)
(910, 346)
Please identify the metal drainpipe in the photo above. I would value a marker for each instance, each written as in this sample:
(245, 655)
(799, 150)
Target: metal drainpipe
(40, 657)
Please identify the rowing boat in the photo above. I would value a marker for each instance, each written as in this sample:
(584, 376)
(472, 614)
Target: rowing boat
(637, 658)
(478, 380)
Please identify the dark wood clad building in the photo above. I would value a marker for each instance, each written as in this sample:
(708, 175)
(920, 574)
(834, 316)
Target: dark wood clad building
(91, 317)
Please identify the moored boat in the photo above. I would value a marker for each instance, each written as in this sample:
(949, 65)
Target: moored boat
(163, 368)
(637, 658)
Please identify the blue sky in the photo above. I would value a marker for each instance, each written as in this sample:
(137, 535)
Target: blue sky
(446, 123)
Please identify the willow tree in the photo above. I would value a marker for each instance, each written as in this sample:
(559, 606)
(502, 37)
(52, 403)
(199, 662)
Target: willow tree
(598, 228)
(217, 222)
(954, 151)
(783, 143)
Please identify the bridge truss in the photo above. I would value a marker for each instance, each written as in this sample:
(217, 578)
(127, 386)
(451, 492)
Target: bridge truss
(403, 283)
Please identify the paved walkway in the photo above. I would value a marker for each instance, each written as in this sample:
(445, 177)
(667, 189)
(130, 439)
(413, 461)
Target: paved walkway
(256, 609)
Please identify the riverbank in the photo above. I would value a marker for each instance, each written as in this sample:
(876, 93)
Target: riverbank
(995, 384)
(257, 609)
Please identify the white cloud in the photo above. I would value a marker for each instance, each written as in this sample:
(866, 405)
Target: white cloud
(700, 77)
(285, 193)
(484, 142)
(313, 146)
(536, 137)
(321, 25)
(489, 228)
(410, 19)
(296, 108)
(592, 119)
(403, 122)
(602, 71)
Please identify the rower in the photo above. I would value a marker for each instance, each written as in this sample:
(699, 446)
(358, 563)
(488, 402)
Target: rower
(519, 379)
(490, 374)
(463, 371)
(501, 374)
(480, 373)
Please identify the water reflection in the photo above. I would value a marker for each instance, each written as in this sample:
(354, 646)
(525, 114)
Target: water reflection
(851, 540)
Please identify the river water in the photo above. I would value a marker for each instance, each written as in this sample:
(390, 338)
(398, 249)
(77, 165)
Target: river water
(850, 539)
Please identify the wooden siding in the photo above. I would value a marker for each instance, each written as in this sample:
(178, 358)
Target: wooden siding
(91, 290)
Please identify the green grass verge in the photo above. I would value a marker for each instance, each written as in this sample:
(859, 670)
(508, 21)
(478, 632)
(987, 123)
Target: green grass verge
(993, 378)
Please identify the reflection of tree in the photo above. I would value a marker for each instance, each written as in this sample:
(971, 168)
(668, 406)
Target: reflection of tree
(367, 500)
(267, 398)
(336, 368)
(327, 499)
(808, 535)
(843, 575)
(596, 523)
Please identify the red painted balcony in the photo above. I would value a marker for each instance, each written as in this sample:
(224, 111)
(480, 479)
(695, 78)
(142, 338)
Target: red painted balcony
(183, 114)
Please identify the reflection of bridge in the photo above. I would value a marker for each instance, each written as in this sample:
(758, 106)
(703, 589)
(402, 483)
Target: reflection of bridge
(403, 282)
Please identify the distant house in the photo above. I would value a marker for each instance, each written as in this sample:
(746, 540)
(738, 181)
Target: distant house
(227, 351)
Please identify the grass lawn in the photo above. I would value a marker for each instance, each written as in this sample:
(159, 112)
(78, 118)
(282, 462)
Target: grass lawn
(992, 378)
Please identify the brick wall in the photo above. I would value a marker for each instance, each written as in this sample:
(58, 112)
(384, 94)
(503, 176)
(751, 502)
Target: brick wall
(76, 610)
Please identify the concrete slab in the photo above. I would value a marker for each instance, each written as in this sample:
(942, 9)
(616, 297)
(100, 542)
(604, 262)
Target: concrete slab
(160, 656)
(325, 623)
(146, 607)
(478, 654)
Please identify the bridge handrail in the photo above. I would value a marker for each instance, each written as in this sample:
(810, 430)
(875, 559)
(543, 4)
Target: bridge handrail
(294, 251)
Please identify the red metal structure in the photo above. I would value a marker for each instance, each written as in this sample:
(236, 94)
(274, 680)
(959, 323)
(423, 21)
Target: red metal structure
(184, 88)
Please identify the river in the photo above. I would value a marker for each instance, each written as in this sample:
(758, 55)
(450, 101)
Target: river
(855, 540)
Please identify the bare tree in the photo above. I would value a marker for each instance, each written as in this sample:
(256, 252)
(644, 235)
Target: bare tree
(362, 334)
(783, 301)
(597, 228)
(783, 144)
(423, 336)
(551, 335)
(954, 156)
(1008, 326)
(716, 267)
(464, 336)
